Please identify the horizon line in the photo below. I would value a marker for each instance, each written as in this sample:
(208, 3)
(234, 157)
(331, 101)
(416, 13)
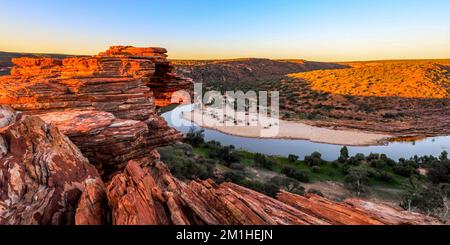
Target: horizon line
(243, 58)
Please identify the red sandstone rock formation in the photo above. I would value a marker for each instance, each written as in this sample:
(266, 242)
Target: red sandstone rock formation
(108, 142)
(124, 80)
(164, 81)
(151, 195)
(42, 174)
(106, 106)
(104, 103)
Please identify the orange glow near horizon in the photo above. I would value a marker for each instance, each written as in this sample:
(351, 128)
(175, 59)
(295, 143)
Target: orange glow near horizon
(321, 30)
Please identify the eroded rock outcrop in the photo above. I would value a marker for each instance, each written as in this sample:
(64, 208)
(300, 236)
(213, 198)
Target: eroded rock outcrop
(151, 195)
(108, 142)
(164, 82)
(42, 174)
(104, 103)
(118, 81)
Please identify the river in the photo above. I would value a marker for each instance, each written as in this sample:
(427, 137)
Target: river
(283, 147)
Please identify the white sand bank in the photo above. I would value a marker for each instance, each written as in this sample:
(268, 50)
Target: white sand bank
(236, 123)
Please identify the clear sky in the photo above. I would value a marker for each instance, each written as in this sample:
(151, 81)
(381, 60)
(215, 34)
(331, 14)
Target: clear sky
(324, 30)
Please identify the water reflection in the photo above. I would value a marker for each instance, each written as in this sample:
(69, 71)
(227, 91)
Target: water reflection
(283, 147)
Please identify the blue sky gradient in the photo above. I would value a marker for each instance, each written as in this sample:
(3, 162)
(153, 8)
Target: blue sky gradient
(324, 30)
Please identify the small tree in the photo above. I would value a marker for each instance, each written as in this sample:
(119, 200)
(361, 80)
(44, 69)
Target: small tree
(443, 156)
(344, 154)
(430, 200)
(357, 180)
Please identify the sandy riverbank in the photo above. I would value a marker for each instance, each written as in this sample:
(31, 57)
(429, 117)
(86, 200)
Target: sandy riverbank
(263, 127)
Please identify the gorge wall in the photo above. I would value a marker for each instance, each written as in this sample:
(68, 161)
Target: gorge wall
(78, 140)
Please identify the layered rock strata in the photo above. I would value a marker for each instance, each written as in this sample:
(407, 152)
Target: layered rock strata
(164, 82)
(124, 80)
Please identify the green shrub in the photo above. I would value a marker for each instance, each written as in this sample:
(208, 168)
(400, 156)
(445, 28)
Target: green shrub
(405, 169)
(385, 176)
(360, 157)
(316, 169)
(439, 172)
(296, 174)
(179, 160)
(288, 184)
(266, 188)
(353, 161)
(315, 159)
(195, 137)
(315, 192)
(372, 156)
(292, 158)
(237, 166)
(234, 176)
(225, 153)
(263, 161)
(379, 164)
(443, 156)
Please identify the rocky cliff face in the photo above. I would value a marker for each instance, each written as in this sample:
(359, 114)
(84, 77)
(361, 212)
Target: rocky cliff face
(81, 150)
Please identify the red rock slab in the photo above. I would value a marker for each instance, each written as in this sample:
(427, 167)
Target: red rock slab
(136, 51)
(272, 211)
(108, 142)
(332, 212)
(391, 215)
(79, 122)
(353, 211)
(134, 198)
